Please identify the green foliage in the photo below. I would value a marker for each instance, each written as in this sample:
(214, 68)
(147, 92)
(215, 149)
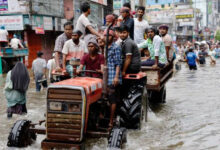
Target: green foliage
(217, 35)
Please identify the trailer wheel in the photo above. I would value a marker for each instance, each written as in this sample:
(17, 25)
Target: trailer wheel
(131, 111)
(117, 138)
(5, 67)
(20, 134)
(158, 97)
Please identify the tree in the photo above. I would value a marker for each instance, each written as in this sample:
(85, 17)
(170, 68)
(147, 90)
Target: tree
(217, 35)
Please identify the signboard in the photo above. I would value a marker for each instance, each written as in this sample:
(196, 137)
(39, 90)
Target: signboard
(48, 23)
(186, 24)
(12, 23)
(63, 21)
(57, 24)
(3, 5)
(37, 21)
(39, 30)
(103, 2)
(116, 4)
(184, 16)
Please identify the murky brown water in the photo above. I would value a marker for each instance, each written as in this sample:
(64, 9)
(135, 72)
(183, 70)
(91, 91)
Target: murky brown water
(190, 120)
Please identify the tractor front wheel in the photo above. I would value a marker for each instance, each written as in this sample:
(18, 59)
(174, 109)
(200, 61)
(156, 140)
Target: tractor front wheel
(117, 138)
(21, 135)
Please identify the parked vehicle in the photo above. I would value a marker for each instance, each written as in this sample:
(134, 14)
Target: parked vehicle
(11, 56)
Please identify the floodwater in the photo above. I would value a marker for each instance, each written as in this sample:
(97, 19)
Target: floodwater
(190, 120)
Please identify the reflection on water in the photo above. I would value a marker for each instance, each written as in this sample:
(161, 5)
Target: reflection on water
(189, 120)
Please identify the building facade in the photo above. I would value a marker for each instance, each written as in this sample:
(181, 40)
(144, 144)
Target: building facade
(39, 22)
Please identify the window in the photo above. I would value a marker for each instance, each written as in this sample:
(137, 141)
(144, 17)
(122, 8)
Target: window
(190, 28)
(156, 1)
(179, 28)
(169, 4)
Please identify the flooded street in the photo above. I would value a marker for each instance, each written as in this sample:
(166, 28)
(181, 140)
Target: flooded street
(189, 120)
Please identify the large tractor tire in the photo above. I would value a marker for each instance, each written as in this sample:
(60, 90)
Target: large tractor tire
(133, 108)
(158, 97)
(21, 135)
(117, 137)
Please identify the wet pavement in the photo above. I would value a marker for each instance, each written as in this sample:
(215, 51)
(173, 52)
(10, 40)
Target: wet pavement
(190, 120)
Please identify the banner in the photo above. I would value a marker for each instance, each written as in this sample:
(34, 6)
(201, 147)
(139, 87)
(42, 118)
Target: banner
(12, 23)
(48, 23)
(39, 30)
(103, 2)
(3, 5)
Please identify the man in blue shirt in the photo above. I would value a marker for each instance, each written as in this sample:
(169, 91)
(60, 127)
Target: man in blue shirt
(114, 74)
(191, 59)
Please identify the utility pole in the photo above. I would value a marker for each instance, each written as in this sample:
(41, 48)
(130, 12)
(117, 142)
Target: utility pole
(132, 2)
(207, 13)
(142, 3)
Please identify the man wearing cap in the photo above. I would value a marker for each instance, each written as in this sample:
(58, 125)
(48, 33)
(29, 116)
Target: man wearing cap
(168, 42)
(110, 19)
(114, 73)
(128, 21)
(39, 67)
(92, 61)
(73, 48)
(140, 25)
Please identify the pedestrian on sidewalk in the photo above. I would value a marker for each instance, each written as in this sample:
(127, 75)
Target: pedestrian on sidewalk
(39, 68)
(16, 85)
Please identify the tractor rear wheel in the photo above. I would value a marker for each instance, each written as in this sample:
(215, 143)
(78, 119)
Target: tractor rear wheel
(117, 138)
(132, 110)
(21, 135)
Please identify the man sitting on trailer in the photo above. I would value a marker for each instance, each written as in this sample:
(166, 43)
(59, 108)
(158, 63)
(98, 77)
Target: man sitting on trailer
(130, 54)
(92, 61)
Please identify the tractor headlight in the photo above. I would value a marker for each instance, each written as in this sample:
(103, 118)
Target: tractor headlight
(74, 107)
(56, 106)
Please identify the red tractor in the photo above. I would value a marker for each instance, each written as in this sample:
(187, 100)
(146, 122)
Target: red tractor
(76, 110)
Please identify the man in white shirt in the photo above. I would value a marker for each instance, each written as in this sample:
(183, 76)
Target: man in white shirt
(15, 42)
(140, 25)
(73, 48)
(83, 21)
(3, 37)
(51, 65)
(39, 67)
